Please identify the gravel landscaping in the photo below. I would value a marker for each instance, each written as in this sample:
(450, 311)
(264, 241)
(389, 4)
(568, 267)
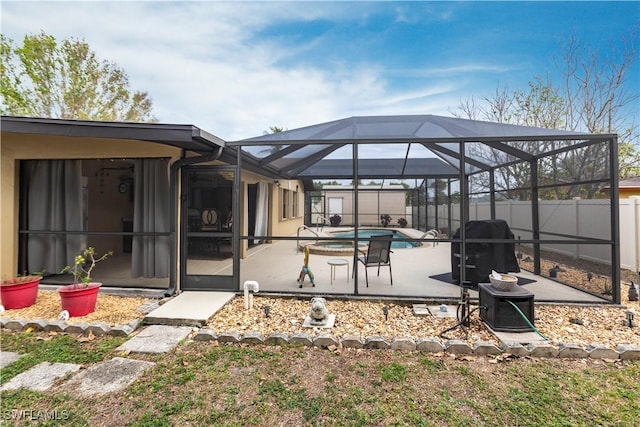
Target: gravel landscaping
(562, 324)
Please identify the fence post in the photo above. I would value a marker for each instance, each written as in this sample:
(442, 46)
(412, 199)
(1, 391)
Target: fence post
(634, 216)
(576, 210)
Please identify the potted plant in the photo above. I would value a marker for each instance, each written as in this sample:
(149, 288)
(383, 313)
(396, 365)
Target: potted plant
(335, 220)
(385, 219)
(402, 222)
(79, 298)
(20, 291)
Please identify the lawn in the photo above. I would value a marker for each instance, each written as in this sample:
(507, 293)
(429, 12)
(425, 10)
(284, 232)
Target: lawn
(235, 385)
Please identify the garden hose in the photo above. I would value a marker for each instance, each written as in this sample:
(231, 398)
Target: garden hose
(527, 320)
(461, 322)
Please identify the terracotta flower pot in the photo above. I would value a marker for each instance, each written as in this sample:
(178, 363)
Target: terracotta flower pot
(19, 292)
(79, 299)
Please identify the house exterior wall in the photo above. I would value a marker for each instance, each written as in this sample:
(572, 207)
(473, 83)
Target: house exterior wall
(625, 193)
(276, 226)
(14, 147)
(17, 147)
(280, 226)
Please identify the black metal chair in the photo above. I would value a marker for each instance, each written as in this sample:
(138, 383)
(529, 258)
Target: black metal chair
(378, 254)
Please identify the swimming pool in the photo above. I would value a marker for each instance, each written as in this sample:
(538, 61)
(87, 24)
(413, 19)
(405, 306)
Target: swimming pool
(368, 232)
(345, 247)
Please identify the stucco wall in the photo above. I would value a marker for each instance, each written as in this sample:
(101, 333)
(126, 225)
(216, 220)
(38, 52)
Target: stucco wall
(16, 147)
(288, 226)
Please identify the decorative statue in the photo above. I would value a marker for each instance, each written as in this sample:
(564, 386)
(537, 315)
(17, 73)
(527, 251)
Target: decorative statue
(318, 311)
(633, 292)
(305, 269)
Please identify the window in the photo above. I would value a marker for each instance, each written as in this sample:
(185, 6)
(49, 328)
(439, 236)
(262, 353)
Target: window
(290, 204)
(296, 197)
(285, 195)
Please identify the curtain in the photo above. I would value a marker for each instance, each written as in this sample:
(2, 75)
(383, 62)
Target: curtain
(150, 254)
(262, 210)
(54, 204)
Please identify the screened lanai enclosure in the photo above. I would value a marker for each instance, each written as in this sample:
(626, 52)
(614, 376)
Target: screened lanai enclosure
(457, 197)
(440, 201)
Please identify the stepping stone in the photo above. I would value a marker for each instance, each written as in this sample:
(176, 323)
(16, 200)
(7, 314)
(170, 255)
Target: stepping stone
(108, 376)
(191, 308)
(41, 377)
(8, 357)
(523, 338)
(434, 310)
(156, 339)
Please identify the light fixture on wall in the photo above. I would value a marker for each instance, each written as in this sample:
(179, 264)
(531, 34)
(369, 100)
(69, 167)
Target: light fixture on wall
(276, 182)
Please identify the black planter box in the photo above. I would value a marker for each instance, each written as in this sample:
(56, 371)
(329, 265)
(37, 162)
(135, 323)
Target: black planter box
(502, 316)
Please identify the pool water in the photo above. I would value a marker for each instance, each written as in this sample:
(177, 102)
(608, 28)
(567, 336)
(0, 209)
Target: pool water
(365, 233)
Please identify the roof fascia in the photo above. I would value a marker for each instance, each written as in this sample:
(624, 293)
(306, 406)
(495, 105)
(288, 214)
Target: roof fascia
(176, 135)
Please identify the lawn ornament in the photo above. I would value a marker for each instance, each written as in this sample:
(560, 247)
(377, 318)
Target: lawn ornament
(318, 312)
(306, 271)
(633, 292)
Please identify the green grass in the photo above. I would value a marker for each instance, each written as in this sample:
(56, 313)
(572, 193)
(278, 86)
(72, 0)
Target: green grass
(38, 348)
(231, 385)
(394, 372)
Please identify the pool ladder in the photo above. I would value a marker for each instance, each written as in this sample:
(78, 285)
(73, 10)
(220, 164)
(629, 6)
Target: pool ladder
(325, 221)
(304, 227)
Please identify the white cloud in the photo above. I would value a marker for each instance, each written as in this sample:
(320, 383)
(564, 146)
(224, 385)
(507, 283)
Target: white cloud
(232, 68)
(200, 62)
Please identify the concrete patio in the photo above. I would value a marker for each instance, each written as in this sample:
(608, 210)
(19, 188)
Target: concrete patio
(276, 267)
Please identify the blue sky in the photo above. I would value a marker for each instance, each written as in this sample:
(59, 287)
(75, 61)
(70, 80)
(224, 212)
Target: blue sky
(237, 68)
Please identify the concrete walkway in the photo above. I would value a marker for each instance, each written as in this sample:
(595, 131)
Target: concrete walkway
(8, 357)
(156, 339)
(171, 324)
(191, 308)
(101, 378)
(41, 377)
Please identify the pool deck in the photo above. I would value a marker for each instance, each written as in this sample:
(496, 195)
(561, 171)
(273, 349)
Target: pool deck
(276, 267)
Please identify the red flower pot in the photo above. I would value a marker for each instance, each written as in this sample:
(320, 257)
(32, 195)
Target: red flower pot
(20, 292)
(79, 299)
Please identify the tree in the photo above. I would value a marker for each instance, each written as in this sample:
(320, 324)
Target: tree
(275, 129)
(44, 78)
(272, 149)
(592, 97)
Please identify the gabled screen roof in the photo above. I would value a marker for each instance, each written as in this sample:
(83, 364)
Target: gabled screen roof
(386, 140)
(411, 128)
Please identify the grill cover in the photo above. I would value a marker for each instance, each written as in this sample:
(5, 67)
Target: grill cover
(486, 256)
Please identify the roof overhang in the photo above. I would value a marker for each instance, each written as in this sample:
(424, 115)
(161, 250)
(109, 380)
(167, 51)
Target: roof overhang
(187, 137)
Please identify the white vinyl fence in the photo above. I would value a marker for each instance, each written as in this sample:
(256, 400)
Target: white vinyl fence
(585, 218)
(630, 233)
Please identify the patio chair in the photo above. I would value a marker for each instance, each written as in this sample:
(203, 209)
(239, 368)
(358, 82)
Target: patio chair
(378, 254)
(209, 219)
